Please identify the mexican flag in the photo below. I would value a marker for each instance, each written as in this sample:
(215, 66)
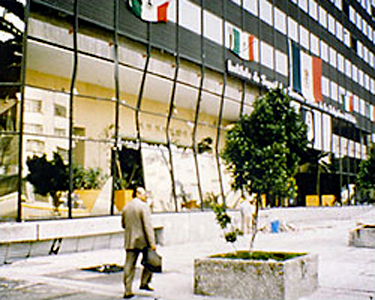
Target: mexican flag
(150, 10)
(306, 74)
(347, 102)
(240, 43)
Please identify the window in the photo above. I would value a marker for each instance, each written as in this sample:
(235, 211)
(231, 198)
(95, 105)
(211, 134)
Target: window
(303, 5)
(281, 63)
(33, 105)
(356, 103)
(353, 43)
(339, 31)
(313, 9)
(35, 146)
(355, 73)
(352, 16)
(367, 82)
(314, 47)
(334, 90)
(365, 54)
(292, 29)
(190, 16)
(60, 131)
(340, 63)
(359, 49)
(347, 39)
(361, 78)
(33, 128)
(304, 37)
(213, 28)
(358, 21)
(325, 86)
(280, 19)
(322, 17)
(60, 111)
(324, 51)
(267, 58)
(266, 12)
(338, 4)
(332, 57)
(348, 68)
(331, 24)
(251, 6)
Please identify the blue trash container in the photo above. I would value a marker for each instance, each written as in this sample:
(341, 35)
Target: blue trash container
(275, 226)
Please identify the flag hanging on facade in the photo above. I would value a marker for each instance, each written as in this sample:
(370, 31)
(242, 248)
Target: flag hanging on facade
(347, 102)
(247, 47)
(150, 10)
(306, 74)
(234, 37)
(240, 43)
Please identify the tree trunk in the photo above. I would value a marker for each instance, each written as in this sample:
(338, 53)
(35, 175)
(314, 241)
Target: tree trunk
(55, 200)
(254, 227)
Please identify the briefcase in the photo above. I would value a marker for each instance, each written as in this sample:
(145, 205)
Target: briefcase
(152, 260)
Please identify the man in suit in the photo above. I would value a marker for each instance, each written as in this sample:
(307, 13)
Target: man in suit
(139, 234)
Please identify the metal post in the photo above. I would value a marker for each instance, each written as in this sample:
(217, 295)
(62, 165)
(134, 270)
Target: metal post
(22, 105)
(221, 112)
(197, 109)
(72, 85)
(117, 109)
(140, 94)
(171, 107)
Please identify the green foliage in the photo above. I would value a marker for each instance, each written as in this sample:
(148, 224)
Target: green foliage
(366, 175)
(48, 176)
(259, 255)
(205, 145)
(224, 220)
(264, 149)
(85, 179)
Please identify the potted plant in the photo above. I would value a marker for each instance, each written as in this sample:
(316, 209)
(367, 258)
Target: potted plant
(129, 174)
(262, 152)
(87, 184)
(49, 177)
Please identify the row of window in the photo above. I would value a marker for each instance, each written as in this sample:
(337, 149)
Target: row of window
(36, 106)
(30, 128)
(277, 60)
(319, 14)
(341, 95)
(279, 63)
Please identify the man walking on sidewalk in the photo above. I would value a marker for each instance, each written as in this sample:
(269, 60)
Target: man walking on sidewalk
(139, 234)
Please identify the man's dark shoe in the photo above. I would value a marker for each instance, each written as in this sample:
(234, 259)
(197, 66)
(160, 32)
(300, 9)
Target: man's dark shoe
(128, 296)
(146, 288)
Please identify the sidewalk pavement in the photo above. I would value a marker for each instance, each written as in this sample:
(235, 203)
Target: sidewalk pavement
(345, 273)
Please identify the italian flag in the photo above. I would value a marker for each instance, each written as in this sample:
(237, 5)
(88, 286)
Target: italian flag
(240, 43)
(306, 74)
(348, 102)
(150, 10)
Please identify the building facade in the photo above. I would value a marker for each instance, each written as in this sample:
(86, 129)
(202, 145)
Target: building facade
(144, 90)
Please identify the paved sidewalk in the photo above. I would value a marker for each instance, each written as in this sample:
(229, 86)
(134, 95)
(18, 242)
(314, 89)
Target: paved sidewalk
(345, 273)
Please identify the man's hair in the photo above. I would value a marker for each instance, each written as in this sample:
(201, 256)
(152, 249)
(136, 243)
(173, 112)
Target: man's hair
(136, 190)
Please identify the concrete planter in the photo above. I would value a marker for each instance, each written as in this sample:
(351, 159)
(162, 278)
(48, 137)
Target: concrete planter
(363, 236)
(256, 279)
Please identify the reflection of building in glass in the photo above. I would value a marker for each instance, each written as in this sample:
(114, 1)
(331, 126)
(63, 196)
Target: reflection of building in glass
(162, 88)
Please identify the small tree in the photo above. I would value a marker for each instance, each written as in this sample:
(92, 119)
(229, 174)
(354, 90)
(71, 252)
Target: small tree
(48, 177)
(366, 175)
(264, 149)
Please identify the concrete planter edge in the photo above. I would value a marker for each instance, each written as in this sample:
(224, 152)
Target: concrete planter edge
(255, 279)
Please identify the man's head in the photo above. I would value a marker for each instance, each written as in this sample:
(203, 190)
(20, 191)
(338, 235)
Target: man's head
(141, 194)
